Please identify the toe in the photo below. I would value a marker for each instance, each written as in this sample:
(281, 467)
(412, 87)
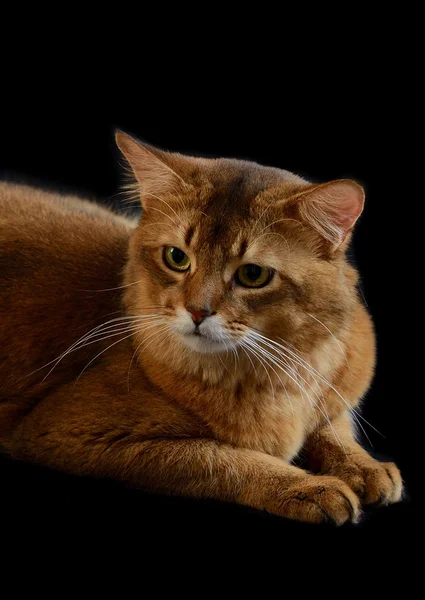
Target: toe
(397, 483)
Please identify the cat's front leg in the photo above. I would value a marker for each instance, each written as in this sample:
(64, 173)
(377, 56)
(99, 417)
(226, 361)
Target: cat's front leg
(91, 438)
(203, 468)
(333, 450)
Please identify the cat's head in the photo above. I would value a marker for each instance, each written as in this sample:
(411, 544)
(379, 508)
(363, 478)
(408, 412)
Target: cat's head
(228, 251)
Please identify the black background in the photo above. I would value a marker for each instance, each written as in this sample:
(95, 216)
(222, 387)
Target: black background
(62, 137)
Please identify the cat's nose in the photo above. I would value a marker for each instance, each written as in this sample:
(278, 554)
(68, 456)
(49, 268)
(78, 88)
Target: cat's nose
(199, 314)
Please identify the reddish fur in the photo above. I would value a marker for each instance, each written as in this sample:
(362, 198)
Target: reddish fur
(179, 421)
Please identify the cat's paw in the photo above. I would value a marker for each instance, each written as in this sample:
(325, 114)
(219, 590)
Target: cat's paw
(373, 481)
(320, 499)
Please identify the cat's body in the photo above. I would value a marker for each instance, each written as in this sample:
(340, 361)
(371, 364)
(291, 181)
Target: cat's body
(179, 417)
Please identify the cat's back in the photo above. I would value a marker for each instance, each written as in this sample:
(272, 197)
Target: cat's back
(43, 232)
(24, 204)
(56, 253)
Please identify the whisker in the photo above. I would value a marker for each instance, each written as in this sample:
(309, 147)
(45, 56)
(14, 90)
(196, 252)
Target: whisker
(278, 221)
(305, 365)
(120, 287)
(235, 356)
(334, 337)
(262, 215)
(277, 375)
(157, 223)
(116, 328)
(168, 217)
(166, 203)
(360, 288)
(270, 233)
(356, 414)
(297, 374)
(242, 345)
(57, 358)
(99, 354)
(163, 213)
(303, 390)
(115, 333)
(261, 361)
(120, 322)
(97, 318)
(136, 350)
(129, 211)
(154, 334)
(271, 358)
(221, 360)
(81, 340)
(105, 337)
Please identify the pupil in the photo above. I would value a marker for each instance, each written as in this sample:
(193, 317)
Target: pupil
(178, 255)
(253, 272)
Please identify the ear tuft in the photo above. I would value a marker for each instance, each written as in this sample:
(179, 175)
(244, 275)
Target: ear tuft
(149, 167)
(332, 208)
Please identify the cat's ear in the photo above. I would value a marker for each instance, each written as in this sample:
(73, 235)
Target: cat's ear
(332, 208)
(149, 165)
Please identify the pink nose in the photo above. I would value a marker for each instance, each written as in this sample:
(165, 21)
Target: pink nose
(198, 314)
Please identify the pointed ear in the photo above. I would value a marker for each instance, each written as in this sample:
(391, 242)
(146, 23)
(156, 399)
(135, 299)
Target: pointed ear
(149, 166)
(332, 208)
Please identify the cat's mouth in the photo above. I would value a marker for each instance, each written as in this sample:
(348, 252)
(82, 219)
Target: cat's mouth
(204, 336)
(204, 343)
(207, 338)
(197, 334)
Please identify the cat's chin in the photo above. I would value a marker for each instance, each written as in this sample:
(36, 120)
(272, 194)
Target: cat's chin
(202, 344)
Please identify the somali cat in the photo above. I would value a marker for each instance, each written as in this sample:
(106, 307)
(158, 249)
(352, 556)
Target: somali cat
(199, 351)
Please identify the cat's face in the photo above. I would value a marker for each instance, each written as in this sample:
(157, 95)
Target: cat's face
(223, 254)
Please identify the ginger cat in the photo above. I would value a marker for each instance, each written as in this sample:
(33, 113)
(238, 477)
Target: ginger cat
(198, 351)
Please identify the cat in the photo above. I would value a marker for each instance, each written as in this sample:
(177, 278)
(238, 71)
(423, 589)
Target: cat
(199, 351)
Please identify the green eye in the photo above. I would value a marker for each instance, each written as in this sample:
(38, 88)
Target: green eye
(176, 259)
(253, 276)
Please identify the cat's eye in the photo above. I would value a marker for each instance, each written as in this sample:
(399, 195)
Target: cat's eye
(253, 276)
(176, 259)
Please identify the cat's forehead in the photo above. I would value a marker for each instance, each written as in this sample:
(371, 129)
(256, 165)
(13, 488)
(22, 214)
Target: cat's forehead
(234, 198)
(230, 184)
